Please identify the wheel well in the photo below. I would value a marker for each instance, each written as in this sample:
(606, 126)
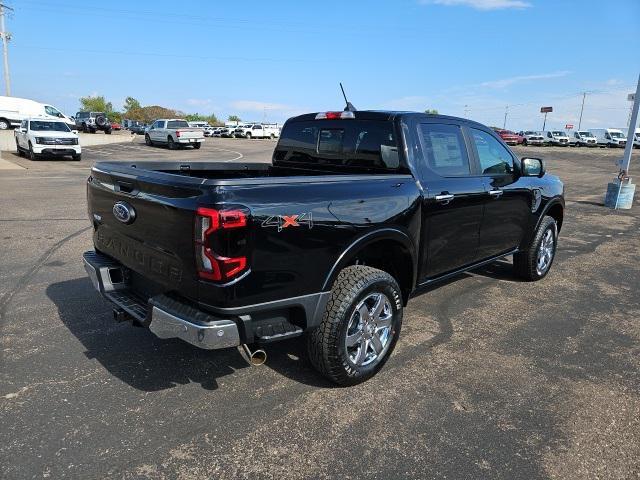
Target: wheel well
(557, 213)
(392, 257)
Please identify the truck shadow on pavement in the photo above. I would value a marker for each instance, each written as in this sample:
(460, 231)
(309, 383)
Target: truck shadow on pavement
(147, 363)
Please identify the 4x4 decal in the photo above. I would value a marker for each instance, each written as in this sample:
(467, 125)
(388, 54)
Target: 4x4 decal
(286, 221)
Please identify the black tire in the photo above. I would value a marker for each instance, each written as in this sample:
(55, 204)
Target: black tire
(248, 135)
(524, 142)
(327, 343)
(272, 136)
(170, 143)
(19, 150)
(525, 263)
(4, 124)
(92, 130)
(108, 131)
(32, 155)
(84, 128)
(197, 145)
(101, 121)
(77, 157)
(147, 140)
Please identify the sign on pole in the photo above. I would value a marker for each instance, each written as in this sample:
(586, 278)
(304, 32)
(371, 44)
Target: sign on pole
(546, 109)
(568, 126)
(631, 97)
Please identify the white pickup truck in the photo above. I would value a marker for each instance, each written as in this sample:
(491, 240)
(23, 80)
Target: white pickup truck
(173, 132)
(257, 130)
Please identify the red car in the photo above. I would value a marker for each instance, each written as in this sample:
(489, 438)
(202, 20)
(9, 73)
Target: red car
(116, 126)
(509, 137)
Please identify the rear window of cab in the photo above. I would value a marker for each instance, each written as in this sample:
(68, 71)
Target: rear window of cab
(346, 143)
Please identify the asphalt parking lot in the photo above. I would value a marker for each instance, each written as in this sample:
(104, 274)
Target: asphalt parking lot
(491, 378)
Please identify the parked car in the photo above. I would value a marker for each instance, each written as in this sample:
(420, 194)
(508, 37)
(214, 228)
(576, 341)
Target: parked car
(208, 130)
(90, 122)
(257, 130)
(556, 138)
(609, 137)
(36, 137)
(531, 137)
(174, 133)
(636, 138)
(138, 129)
(332, 238)
(228, 132)
(14, 109)
(509, 137)
(199, 124)
(116, 126)
(582, 138)
(217, 132)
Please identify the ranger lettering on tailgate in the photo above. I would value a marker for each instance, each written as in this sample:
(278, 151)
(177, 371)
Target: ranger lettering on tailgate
(154, 264)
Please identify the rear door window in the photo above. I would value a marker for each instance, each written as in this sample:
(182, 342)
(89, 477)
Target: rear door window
(444, 150)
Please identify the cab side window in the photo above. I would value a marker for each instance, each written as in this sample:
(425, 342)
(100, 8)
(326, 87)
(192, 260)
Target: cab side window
(494, 158)
(444, 150)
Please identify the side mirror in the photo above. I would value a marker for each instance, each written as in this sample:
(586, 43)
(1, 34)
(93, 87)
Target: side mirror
(74, 131)
(532, 167)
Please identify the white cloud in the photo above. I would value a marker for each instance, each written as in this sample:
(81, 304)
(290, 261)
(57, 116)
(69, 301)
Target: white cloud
(481, 4)
(505, 82)
(199, 102)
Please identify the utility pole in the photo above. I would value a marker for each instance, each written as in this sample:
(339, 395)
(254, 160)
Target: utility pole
(5, 52)
(466, 111)
(506, 111)
(584, 95)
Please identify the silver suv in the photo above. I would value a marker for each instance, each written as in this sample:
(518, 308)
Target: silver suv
(93, 121)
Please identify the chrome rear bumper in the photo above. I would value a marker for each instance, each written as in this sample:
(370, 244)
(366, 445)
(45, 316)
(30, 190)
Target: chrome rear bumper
(165, 317)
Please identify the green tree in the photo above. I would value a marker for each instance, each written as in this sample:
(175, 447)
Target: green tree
(195, 117)
(213, 120)
(131, 103)
(95, 104)
(234, 118)
(431, 111)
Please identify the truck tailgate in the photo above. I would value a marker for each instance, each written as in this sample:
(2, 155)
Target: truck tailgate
(191, 133)
(147, 226)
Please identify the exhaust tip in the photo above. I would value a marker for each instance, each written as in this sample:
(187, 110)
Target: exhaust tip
(257, 357)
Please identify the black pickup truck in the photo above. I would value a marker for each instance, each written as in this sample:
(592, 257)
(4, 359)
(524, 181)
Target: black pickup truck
(357, 212)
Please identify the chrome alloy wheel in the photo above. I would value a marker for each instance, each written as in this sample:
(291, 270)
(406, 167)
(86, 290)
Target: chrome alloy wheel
(546, 251)
(369, 331)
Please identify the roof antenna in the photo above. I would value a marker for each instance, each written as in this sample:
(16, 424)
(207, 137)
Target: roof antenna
(349, 107)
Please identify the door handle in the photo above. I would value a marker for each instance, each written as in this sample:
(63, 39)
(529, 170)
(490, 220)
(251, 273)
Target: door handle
(444, 198)
(496, 193)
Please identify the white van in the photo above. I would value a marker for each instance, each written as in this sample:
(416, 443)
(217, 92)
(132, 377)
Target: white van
(13, 110)
(582, 138)
(556, 138)
(609, 137)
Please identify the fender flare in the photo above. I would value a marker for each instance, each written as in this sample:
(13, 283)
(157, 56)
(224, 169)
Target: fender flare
(554, 201)
(363, 241)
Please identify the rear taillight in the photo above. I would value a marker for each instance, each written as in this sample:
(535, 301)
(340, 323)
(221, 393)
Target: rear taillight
(217, 230)
(178, 133)
(335, 115)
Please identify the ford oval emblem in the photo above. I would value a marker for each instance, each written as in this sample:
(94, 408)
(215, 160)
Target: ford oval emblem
(124, 212)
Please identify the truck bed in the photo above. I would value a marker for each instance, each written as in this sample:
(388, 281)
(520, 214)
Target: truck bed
(225, 173)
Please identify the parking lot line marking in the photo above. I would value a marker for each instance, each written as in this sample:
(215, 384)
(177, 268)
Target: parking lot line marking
(240, 155)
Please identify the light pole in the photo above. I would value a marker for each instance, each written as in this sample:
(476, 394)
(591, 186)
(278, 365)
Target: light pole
(584, 95)
(620, 193)
(5, 51)
(506, 112)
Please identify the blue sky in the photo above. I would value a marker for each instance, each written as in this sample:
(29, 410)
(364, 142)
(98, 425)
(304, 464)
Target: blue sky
(275, 58)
